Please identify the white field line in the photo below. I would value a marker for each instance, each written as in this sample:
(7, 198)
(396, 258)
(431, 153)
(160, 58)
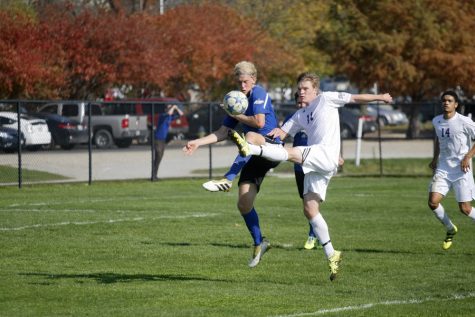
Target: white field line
(81, 223)
(321, 312)
(80, 201)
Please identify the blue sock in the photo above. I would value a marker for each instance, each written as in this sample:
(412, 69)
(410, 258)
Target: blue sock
(252, 223)
(310, 232)
(238, 163)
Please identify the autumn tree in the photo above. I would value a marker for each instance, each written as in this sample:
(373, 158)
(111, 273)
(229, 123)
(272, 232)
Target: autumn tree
(294, 25)
(409, 48)
(207, 40)
(24, 65)
(100, 49)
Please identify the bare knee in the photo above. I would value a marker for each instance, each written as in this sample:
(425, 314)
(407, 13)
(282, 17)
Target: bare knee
(465, 208)
(432, 204)
(434, 200)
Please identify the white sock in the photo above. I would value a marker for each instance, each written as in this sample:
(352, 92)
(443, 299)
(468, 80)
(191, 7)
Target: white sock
(440, 213)
(321, 230)
(472, 214)
(272, 152)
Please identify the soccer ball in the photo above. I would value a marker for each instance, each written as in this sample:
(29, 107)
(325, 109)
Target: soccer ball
(235, 102)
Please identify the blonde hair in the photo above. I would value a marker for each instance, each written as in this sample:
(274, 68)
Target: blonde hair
(311, 77)
(245, 68)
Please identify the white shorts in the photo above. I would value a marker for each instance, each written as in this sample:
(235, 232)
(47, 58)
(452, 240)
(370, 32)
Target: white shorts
(316, 159)
(316, 183)
(464, 187)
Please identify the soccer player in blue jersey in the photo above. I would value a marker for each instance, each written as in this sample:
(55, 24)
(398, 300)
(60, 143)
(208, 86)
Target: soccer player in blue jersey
(258, 118)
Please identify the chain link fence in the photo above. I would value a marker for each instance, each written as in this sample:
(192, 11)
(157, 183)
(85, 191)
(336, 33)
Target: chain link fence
(84, 141)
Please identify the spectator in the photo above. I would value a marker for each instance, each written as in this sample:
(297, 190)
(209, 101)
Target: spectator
(171, 113)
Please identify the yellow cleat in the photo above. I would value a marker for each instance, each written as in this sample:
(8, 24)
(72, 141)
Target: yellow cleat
(240, 142)
(334, 264)
(310, 244)
(448, 238)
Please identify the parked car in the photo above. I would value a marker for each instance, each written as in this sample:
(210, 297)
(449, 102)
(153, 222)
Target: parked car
(65, 132)
(387, 114)
(35, 130)
(9, 139)
(108, 126)
(198, 120)
(349, 117)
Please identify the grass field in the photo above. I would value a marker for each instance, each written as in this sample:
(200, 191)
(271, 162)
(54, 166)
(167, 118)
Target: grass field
(171, 249)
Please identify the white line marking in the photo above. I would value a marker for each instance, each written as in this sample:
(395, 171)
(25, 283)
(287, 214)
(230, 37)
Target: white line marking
(81, 223)
(385, 303)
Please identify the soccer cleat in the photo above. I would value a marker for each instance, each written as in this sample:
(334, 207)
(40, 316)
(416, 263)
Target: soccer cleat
(240, 142)
(310, 244)
(334, 264)
(448, 238)
(258, 252)
(222, 185)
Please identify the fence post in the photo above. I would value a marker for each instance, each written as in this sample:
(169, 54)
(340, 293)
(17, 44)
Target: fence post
(89, 144)
(210, 147)
(20, 168)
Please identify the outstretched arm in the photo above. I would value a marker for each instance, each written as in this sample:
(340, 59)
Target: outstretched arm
(214, 137)
(363, 98)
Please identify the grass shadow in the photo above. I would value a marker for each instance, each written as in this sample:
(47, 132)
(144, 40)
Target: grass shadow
(110, 278)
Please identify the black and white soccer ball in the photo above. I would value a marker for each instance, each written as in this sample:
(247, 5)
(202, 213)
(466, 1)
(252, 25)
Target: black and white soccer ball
(235, 102)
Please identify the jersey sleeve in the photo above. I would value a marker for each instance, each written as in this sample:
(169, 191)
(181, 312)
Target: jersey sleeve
(292, 126)
(230, 122)
(337, 99)
(469, 127)
(260, 101)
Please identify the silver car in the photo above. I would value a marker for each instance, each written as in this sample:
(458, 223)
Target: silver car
(387, 114)
(35, 130)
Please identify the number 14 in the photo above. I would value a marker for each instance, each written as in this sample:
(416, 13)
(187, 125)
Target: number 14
(445, 132)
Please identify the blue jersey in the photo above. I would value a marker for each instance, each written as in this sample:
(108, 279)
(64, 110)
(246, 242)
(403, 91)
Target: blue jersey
(259, 103)
(163, 125)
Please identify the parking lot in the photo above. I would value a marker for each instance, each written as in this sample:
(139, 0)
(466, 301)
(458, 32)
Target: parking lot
(135, 162)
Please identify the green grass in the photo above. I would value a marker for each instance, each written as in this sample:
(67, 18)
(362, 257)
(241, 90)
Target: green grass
(10, 175)
(171, 249)
(368, 167)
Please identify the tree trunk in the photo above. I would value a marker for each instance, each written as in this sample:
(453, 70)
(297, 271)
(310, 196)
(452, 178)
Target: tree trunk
(414, 128)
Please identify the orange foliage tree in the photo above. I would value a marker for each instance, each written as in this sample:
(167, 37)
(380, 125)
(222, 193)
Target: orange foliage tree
(97, 50)
(71, 54)
(24, 63)
(410, 48)
(207, 40)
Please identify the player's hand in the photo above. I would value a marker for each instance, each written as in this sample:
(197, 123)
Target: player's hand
(190, 148)
(465, 165)
(277, 133)
(387, 98)
(341, 161)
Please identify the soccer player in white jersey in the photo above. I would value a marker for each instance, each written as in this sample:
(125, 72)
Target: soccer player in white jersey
(451, 163)
(319, 159)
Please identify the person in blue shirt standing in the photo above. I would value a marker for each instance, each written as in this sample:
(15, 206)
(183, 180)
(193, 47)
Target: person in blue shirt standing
(171, 113)
(258, 118)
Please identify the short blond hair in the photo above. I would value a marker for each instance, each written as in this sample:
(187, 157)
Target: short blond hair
(311, 77)
(245, 68)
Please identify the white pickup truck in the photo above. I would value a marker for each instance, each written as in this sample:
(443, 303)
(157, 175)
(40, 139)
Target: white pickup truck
(108, 128)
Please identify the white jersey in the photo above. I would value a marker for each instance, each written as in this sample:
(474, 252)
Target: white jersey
(454, 137)
(321, 122)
